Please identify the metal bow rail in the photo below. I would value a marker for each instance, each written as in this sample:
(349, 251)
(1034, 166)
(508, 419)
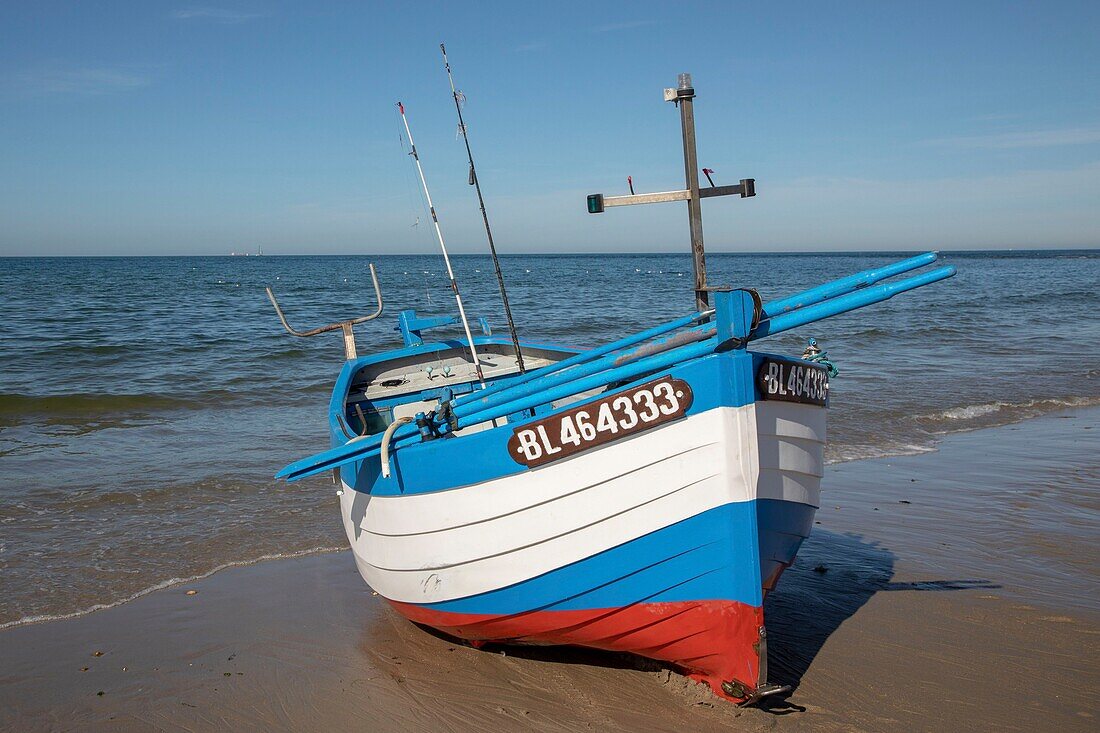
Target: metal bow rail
(344, 326)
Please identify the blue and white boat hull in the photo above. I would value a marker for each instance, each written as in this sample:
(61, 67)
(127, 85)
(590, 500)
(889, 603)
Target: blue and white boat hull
(642, 496)
(660, 543)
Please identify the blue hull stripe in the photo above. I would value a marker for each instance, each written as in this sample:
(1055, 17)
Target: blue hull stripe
(711, 556)
(783, 526)
(716, 380)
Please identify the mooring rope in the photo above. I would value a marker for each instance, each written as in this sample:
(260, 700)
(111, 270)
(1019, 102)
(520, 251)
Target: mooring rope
(818, 355)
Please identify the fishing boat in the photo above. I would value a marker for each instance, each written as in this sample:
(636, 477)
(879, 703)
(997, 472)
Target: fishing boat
(641, 497)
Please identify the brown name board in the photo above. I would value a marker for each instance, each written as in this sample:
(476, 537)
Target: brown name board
(611, 418)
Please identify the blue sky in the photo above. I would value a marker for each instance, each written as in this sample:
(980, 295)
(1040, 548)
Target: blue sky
(176, 128)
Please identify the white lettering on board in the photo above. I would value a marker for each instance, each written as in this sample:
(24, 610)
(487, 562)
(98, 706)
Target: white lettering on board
(549, 447)
(528, 444)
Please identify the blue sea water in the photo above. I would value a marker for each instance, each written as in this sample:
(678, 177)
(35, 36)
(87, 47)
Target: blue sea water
(146, 402)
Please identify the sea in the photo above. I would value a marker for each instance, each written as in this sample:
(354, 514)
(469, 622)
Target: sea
(146, 402)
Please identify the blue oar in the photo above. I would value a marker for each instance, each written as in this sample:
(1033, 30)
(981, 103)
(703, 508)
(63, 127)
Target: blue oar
(846, 285)
(536, 384)
(483, 396)
(354, 450)
(851, 301)
(593, 375)
(606, 376)
(610, 369)
(539, 382)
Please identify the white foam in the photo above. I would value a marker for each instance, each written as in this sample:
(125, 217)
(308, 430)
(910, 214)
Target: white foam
(1013, 412)
(869, 452)
(167, 584)
(971, 411)
(1021, 410)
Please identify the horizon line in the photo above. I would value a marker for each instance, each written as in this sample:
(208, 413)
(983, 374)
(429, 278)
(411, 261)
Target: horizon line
(783, 253)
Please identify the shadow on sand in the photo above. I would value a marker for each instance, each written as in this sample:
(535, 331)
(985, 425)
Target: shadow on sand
(834, 576)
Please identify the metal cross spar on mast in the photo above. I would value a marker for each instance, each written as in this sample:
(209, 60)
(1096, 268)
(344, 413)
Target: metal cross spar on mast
(443, 247)
(683, 96)
(484, 216)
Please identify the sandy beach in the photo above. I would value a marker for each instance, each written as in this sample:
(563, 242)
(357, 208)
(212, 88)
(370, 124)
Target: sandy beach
(938, 592)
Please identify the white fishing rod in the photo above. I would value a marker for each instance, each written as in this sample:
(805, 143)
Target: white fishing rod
(442, 246)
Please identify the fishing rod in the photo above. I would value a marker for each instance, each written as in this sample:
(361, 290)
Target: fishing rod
(442, 246)
(484, 216)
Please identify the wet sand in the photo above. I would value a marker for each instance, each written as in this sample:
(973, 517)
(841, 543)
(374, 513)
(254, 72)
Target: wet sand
(951, 590)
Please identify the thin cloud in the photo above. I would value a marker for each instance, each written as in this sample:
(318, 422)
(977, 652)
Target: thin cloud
(955, 212)
(224, 16)
(83, 81)
(622, 26)
(997, 117)
(1030, 139)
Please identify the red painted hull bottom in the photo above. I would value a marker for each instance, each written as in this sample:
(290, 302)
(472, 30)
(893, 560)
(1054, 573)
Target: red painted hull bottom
(714, 642)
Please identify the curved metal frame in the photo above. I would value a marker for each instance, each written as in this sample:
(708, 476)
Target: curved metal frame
(345, 326)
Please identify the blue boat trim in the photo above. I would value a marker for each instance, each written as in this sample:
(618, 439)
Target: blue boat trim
(846, 285)
(717, 380)
(783, 526)
(710, 556)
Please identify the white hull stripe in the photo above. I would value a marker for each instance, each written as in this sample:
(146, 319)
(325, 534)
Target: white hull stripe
(692, 444)
(427, 548)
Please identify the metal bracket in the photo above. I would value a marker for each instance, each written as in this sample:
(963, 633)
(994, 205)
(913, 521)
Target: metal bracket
(765, 691)
(409, 325)
(344, 326)
(763, 687)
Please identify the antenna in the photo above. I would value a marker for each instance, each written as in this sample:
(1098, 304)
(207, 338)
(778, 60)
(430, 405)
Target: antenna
(682, 96)
(484, 216)
(443, 247)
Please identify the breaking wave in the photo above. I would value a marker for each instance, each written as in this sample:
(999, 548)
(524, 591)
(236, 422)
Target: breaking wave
(862, 452)
(1001, 413)
(936, 425)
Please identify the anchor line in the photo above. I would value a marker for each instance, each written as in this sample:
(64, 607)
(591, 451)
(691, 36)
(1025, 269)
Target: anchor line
(484, 216)
(443, 247)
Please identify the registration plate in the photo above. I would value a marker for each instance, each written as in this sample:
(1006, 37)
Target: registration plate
(794, 381)
(596, 423)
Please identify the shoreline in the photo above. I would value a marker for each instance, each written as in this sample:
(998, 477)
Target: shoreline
(1027, 482)
(938, 591)
(165, 585)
